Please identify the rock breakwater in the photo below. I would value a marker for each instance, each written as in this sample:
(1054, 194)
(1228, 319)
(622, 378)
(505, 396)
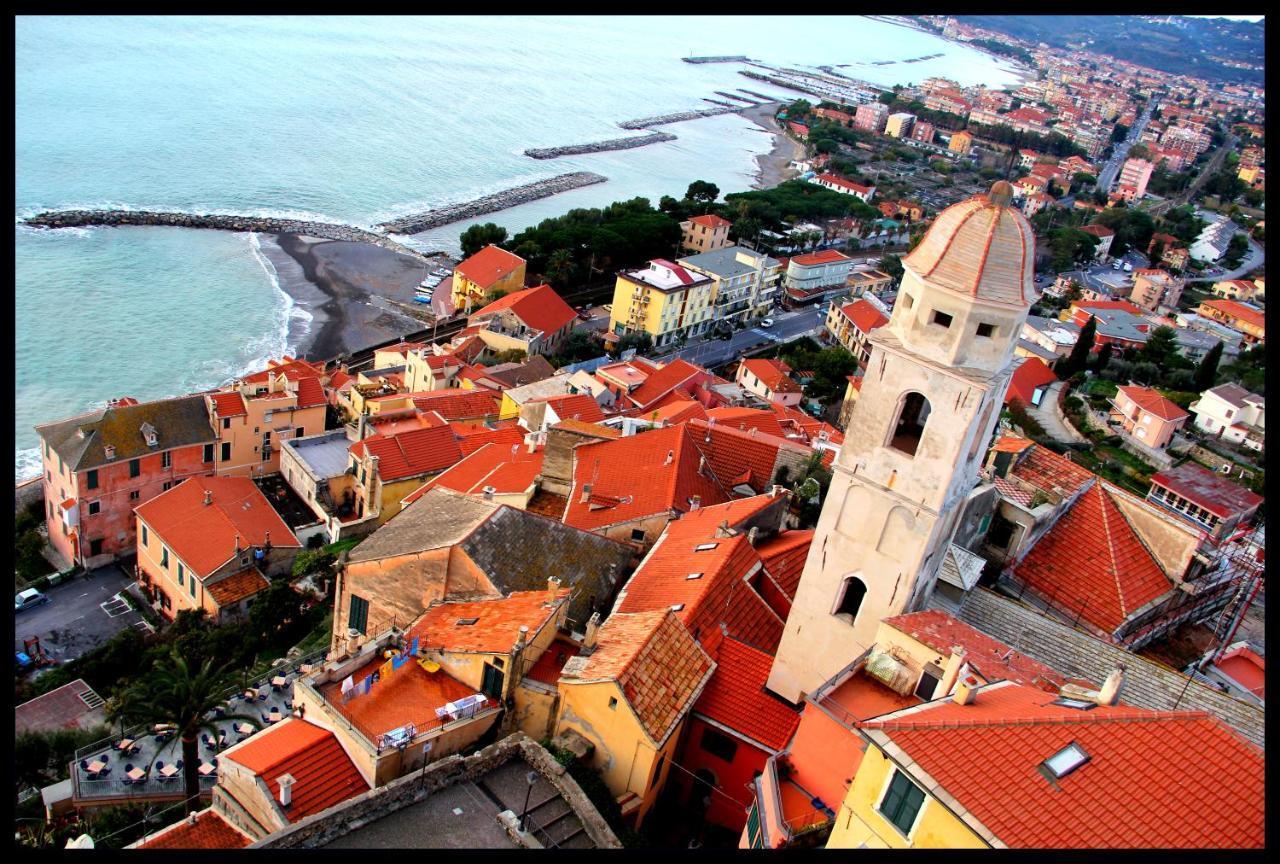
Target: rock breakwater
(662, 119)
(599, 146)
(492, 203)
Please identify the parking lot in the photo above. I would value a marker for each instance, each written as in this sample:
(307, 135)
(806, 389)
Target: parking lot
(80, 615)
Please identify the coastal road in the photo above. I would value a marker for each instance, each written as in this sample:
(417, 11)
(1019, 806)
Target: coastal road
(715, 352)
(80, 615)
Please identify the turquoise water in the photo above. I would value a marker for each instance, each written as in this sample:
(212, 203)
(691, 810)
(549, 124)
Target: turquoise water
(348, 120)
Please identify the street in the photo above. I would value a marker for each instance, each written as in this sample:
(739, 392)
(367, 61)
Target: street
(80, 615)
(1252, 261)
(1108, 173)
(709, 352)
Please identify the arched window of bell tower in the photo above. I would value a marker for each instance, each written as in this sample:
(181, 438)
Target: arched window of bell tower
(852, 591)
(907, 430)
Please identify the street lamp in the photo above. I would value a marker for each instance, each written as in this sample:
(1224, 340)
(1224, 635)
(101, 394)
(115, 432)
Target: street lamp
(530, 778)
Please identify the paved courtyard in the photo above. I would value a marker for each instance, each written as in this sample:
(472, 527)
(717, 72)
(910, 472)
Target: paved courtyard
(81, 614)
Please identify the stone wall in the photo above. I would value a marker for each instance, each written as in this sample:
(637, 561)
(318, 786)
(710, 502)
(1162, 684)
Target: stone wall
(1147, 684)
(324, 827)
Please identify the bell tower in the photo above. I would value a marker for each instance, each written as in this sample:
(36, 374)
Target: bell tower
(930, 399)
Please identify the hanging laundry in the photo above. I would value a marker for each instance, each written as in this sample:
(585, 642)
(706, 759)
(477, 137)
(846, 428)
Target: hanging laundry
(348, 685)
(413, 649)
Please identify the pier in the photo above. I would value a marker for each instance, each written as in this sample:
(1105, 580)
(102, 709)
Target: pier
(492, 203)
(679, 116)
(740, 58)
(599, 146)
(750, 102)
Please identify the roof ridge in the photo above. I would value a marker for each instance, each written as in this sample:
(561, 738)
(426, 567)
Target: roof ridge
(1143, 715)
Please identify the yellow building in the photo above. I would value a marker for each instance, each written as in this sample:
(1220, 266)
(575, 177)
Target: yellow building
(490, 271)
(254, 415)
(628, 695)
(665, 300)
(961, 142)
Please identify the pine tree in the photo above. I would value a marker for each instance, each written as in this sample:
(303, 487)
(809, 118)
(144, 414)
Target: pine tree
(1207, 371)
(1079, 356)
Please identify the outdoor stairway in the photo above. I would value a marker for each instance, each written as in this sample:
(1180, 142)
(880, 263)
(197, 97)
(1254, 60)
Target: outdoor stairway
(93, 700)
(550, 819)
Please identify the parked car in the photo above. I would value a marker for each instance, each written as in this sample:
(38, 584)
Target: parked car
(584, 313)
(608, 308)
(766, 322)
(27, 599)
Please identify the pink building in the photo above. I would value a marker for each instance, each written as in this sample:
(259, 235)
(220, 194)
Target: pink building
(1147, 416)
(871, 117)
(1136, 173)
(99, 466)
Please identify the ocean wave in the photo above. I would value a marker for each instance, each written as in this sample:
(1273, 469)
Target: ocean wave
(33, 231)
(290, 311)
(26, 464)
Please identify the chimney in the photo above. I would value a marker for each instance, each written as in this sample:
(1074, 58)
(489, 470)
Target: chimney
(191, 819)
(966, 690)
(1110, 692)
(237, 543)
(208, 497)
(362, 426)
(488, 493)
(110, 449)
(522, 637)
(751, 535)
(533, 443)
(586, 493)
(951, 671)
(695, 501)
(671, 456)
(266, 540)
(353, 641)
(286, 790)
(776, 490)
(593, 627)
(553, 586)
(723, 529)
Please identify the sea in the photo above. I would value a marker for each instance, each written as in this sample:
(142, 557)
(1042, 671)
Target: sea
(344, 119)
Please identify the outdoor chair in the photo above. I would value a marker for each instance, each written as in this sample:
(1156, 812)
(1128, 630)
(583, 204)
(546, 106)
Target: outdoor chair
(128, 767)
(159, 764)
(105, 771)
(178, 764)
(84, 763)
(262, 697)
(127, 781)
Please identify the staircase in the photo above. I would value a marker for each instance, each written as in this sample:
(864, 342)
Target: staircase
(550, 819)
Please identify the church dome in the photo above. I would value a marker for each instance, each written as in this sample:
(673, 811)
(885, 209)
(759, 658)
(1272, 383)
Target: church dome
(981, 247)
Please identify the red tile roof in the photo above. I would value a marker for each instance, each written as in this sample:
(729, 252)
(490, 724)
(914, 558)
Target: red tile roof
(678, 411)
(412, 453)
(1092, 562)
(864, 315)
(236, 587)
(993, 659)
(1247, 668)
(209, 831)
(489, 265)
(204, 536)
(784, 555)
(289, 367)
(494, 465)
(736, 697)
(1029, 375)
(496, 626)
(738, 457)
(1044, 469)
(1238, 311)
(857, 188)
(551, 661)
(310, 392)
(1206, 489)
(471, 437)
(1153, 403)
(457, 403)
(1167, 779)
(664, 380)
(540, 308)
(1123, 305)
(586, 428)
(774, 374)
(323, 773)
(748, 418)
(710, 221)
(578, 406)
(228, 404)
(657, 664)
(826, 256)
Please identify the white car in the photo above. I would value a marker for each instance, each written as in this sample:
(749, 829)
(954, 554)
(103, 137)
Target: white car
(766, 322)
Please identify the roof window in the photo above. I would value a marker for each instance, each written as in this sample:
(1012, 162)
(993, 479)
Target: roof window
(466, 622)
(677, 607)
(1066, 760)
(705, 547)
(1078, 704)
(694, 576)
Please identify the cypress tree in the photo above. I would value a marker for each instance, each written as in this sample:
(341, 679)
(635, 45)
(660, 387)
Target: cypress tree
(1104, 357)
(1207, 371)
(1079, 356)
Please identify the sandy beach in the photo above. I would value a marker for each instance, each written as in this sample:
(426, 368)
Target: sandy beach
(774, 164)
(352, 290)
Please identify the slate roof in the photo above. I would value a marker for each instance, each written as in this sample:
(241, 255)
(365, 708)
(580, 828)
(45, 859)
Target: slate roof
(439, 518)
(659, 667)
(414, 453)
(496, 625)
(208, 831)
(539, 308)
(724, 262)
(1233, 394)
(324, 774)
(536, 368)
(1093, 562)
(204, 536)
(179, 422)
(1166, 779)
(736, 697)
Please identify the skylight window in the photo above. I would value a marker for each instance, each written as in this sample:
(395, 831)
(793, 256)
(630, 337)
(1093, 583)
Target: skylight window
(1066, 760)
(706, 547)
(677, 607)
(1078, 704)
(694, 576)
(466, 622)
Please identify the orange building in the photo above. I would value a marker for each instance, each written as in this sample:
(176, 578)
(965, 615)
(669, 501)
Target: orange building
(478, 278)
(1249, 321)
(1147, 416)
(255, 414)
(705, 233)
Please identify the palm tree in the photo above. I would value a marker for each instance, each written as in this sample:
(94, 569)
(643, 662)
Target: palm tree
(560, 267)
(175, 695)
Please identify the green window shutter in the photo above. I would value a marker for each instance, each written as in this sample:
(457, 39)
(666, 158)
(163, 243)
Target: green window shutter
(902, 802)
(135, 467)
(358, 618)
(192, 586)
(754, 838)
(91, 479)
(180, 572)
(144, 535)
(164, 557)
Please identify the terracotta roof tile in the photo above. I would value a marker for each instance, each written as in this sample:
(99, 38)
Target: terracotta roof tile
(496, 624)
(784, 556)
(412, 453)
(228, 404)
(539, 308)
(489, 265)
(577, 406)
(738, 457)
(993, 659)
(310, 392)
(1237, 310)
(663, 381)
(710, 220)
(1029, 375)
(204, 536)
(491, 465)
(677, 411)
(826, 256)
(324, 774)
(236, 587)
(459, 404)
(864, 315)
(471, 437)
(210, 831)
(1206, 489)
(746, 419)
(588, 428)
(1167, 779)
(736, 696)
(1092, 562)
(289, 367)
(1046, 470)
(1153, 403)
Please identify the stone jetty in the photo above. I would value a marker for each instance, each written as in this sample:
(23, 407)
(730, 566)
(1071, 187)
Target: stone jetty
(662, 119)
(216, 221)
(738, 58)
(492, 203)
(600, 146)
(760, 96)
(737, 97)
(718, 102)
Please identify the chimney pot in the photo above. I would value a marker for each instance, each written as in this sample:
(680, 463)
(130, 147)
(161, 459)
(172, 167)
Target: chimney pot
(671, 455)
(488, 493)
(593, 627)
(951, 672)
(1110, 692)
(208, 497)
(553, 585)
(966, 690)
(752, 534)
(695, 501)
(286, 790)
(586, 493)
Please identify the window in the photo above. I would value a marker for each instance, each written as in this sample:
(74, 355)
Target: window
(719, 745)
(191, 585)
(144, 535)
(208, 453)
(637, 535)
(166, 459)
(987, 330)
(907, 301)
(927, 686)
(942, 319)
(1001, 532)
(613, 702)
(95, 547)
(851, 594)
(135, 467)
(164, 557)
(901, 802)
(1066, 760)
(135, 495)
(755, 837)
(297, 433)
(167, 485)
(491, 683)
(358, 618)
(226, 451)
(705, 547)
(910, 426)
(226, 422)
(91, 479)
(266, 453)
(181, 571)
(94, 507)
